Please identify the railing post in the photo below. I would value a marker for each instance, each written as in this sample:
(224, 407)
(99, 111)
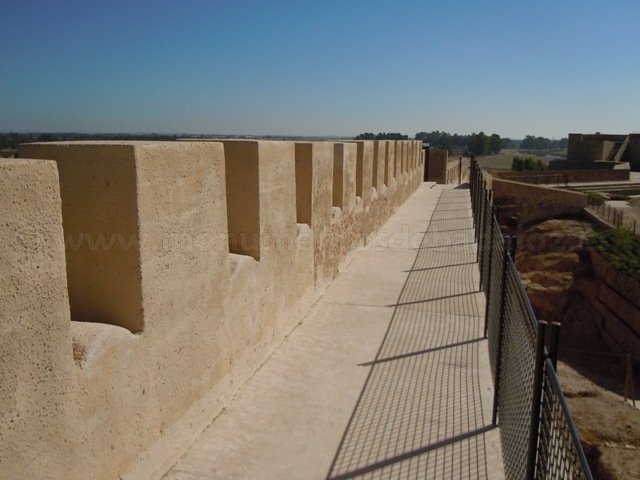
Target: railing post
(554, 344)
(480, 207)
(536, 401)
(501, 320)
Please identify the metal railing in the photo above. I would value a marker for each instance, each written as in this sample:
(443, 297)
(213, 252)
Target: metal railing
(612, 215)
(536, 178)
(538, 437)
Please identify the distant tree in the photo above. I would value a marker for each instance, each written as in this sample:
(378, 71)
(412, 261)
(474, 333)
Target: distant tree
(541, 143)
(392, 136)
(506, 143)
(495, 143)
(517, 165)
(527, 164)
(442, 140)
(381, 136)
(365, 136)
(563, 143)
(481, 144)
(476, 143)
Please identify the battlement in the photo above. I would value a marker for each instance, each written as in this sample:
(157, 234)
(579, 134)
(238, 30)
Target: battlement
(144, 282)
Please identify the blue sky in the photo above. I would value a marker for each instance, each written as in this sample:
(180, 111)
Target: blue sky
(321, 68)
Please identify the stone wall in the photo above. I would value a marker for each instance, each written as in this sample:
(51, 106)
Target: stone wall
(145, 282)
(592, 147)
(617, 302)
(437, 165)
(530, 203)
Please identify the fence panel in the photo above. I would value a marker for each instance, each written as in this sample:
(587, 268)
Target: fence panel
(495, 295)
(511, 329)
(557, 456)
(516, 377)
(486, 234)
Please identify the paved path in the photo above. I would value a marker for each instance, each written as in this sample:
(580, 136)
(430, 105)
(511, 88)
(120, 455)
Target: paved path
(386, 377)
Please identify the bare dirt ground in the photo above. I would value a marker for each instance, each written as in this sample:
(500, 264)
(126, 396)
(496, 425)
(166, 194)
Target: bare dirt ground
(608, 427)
(560, 282)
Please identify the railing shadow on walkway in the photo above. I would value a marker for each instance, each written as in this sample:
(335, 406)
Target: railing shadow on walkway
(419, 414)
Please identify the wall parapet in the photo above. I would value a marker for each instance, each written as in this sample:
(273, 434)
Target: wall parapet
(148, 280)
(561, 177)
(525, 203)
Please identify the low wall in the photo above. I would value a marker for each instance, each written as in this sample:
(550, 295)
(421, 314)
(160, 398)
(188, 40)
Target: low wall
(454, 175)
(561, 177)
(145, 282)
(531, 203)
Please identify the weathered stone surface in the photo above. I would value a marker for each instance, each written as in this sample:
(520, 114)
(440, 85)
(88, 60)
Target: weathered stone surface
(39, 428)
(617, 300)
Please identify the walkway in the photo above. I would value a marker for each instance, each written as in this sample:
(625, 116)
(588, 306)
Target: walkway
(386, 377)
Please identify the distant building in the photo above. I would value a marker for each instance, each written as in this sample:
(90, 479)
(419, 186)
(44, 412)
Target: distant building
(604, 147)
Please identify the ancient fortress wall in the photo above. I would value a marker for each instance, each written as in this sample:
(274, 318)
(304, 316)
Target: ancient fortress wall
(144, 282)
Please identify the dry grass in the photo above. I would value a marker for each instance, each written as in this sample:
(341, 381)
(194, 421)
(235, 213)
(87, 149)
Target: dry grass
(504, 159)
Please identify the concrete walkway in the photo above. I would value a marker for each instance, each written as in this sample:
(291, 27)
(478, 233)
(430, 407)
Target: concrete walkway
(386, 377)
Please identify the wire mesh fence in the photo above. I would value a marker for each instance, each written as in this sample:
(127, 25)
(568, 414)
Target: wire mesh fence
(558, 456)
(537, 434)
(493, 291)
(515, 381)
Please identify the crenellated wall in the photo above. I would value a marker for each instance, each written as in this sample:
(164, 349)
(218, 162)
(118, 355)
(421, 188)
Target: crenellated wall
(144, 282)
